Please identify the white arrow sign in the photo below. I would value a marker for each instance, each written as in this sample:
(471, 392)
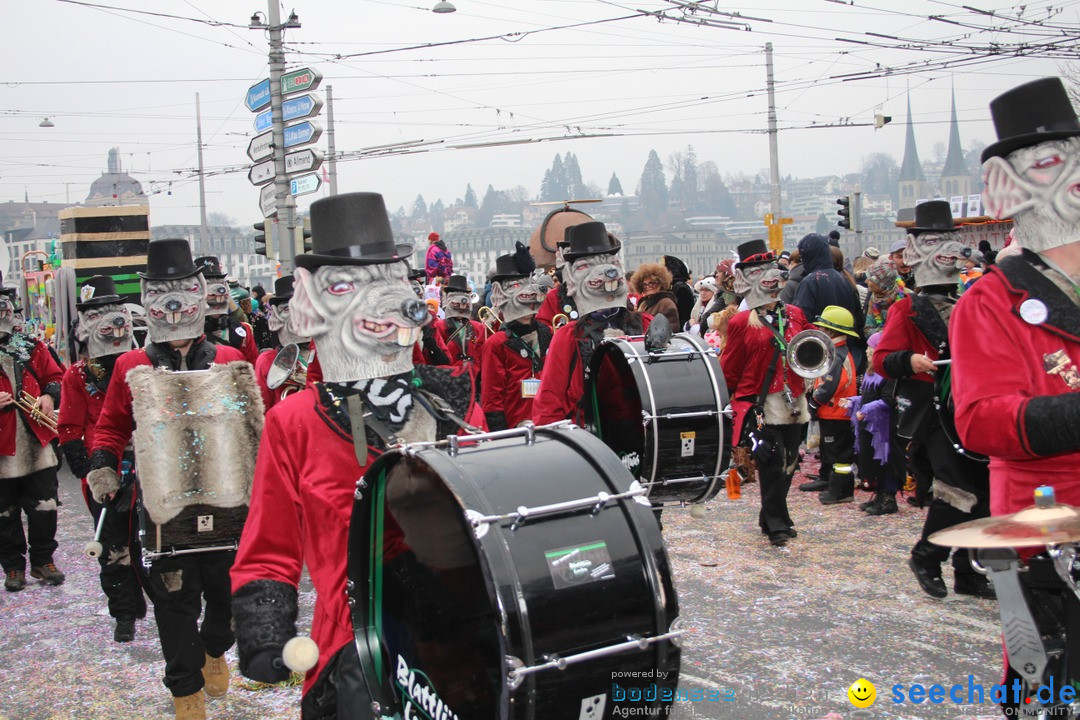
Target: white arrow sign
(261, 146)
(305, 184)
(261, 173)
(302, 161)
(267, 201)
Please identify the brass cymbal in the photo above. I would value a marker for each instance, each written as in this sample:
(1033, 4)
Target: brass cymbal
(1033, 526)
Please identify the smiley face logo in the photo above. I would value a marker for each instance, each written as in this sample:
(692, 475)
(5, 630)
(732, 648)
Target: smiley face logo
(862, 693)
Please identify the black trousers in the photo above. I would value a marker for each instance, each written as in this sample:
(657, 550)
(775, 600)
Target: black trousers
(178, 587)
(837, 446)
(35, 495)
(118, 574)
(774, 476)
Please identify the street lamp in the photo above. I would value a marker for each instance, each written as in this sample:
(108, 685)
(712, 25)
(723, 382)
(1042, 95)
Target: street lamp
(46, 122)
(443, 7)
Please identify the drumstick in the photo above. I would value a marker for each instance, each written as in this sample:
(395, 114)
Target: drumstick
(942, 362)
(93, 548)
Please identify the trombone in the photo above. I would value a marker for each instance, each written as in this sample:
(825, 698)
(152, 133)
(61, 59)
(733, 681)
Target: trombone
(28, 404)
(559, 320)
(489, 318)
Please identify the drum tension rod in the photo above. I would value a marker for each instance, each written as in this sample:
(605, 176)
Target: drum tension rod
(523, 513)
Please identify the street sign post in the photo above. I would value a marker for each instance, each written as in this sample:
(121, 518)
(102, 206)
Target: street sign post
(267, 203)
(261, 146)
(261, 173)
(303, 161)
(305, 184)
(300, 80)
(292, 109)
(258, 96)
(301, 133)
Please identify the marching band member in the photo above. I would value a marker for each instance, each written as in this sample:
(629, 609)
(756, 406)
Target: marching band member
(174, 294)
(427, 350)
(460, 337)
(105, 328)
(29, 390)
(513, 356)
(221, 327)
(278, 324)
(915, 335)
(594, 279)
(769, 399)
(353, 299)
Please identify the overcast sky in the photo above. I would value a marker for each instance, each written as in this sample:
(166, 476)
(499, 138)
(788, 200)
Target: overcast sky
(110, 78)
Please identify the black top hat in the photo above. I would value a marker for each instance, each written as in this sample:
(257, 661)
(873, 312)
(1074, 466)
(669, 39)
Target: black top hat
(418, 274)
(457, 283)
(168, 259)
(351, 229)
(933, 216)
(283, 290)
(210, 266)
(97, 290)
(1030, 114)
(754, 252)
(518, 264)
(591, 238)
(13, 292)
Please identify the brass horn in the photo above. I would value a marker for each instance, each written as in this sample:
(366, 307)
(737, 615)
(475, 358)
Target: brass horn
(28, 404)
(559, 320)
(810, 354)
(488, 317)
(289, 370)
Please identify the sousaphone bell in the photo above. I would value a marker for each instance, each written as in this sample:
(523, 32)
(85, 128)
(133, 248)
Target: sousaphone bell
(288, 369)
(810, 354)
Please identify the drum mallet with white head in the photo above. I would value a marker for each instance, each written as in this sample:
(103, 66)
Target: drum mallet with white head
(300, 654)
(93, 548)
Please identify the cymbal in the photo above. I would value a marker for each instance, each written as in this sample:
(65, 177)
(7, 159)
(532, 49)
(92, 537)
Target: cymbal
(1031, 527)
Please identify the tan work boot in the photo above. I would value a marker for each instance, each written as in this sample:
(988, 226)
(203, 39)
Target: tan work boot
(216, 676)
(191, 707)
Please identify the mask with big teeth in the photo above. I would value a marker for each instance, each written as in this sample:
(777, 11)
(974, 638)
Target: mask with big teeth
(515, 298)
(936, 257)
(175, 309)
(1039, 188)
(456, 304)
(364, 319)
(760, 283)
(106, 330)
(7, 315)
(595, 282)
(278, 321)
(217, 297)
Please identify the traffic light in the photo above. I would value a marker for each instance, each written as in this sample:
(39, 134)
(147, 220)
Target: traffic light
(302, 235)
(261, 246)
(844, 212)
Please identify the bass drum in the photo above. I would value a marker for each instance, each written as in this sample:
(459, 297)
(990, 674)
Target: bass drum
(943, 404)
(663, 414)
(513, 575)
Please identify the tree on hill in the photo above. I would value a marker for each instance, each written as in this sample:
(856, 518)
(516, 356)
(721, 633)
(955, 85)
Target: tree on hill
(715, 197)
(419, 208)
(437, 215)
(555, 186)
(470, 197)
(881, 175)
(653, 192)
(575, 186)
(614, 187)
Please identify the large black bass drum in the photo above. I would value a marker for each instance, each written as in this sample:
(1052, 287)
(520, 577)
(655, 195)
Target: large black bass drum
(662, 412)
(943, 404)
(516, 575)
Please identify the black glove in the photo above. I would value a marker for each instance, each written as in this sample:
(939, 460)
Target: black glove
(77, 457)
(761, 448)
(813, 405)
(268, 667)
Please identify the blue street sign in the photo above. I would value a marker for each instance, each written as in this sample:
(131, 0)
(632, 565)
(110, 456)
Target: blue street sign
(302, 133)
(305, 184)
(258, 96)
(291, 109)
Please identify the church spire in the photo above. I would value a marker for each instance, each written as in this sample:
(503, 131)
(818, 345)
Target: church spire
(911, 169)
(954, 160)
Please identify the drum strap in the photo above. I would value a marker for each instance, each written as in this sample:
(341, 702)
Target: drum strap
(441, 410)
(356, 425)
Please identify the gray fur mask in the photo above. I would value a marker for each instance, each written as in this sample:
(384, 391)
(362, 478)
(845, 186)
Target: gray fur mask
(7, 315)
(760, 284)
(936, 257)
(217, 297)
(106, 330)
(595, 282)
(1039, 188)
(175, 309)
(456, 304)
(515, 298)
(278, 321)
(364, 319)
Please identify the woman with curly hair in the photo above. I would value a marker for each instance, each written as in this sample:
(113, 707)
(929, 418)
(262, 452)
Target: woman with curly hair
(653, 281)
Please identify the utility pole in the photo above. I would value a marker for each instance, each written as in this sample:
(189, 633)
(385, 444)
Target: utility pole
(774, 159)
(202, 180)
(331, 151)
(283, 199)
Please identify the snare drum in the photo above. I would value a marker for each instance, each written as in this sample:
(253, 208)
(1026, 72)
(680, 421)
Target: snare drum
(662, 413)
(514, 575)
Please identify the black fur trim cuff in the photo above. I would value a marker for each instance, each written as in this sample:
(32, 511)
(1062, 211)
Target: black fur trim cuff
(1052, 424)
(77, 459)
(264, 613)
(898, 364)
(496, 421)
(103, 458)
(53, 391)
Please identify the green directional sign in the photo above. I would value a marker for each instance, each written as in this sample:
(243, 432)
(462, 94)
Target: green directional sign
(300, 80)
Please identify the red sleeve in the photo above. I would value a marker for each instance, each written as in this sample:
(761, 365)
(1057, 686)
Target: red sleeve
(114, 425)
(262, 369)
(895, 336)
(549, 308)
(418, 355)
(553, 401)
(45, 367)
(73, 408)
(493, 369)
(249, 349)
(733, 359)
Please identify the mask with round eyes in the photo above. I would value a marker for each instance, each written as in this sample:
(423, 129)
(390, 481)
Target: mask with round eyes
(935, 257)
(7, 315)
(595, 282)
(1039, 188)
(106, 330)
(217, 297)
(456, 304)
(515, 298)
(175, 309)
(278, 321)
(763, 283)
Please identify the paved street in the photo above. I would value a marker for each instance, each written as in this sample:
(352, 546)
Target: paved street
(783, 631)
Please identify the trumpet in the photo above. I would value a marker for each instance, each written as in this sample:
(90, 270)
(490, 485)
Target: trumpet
(28, 404)
(559, 320)
(810, 354)
(489, 318)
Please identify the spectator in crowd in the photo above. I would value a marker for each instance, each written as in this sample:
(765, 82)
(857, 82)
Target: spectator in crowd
(706, 290)
(860, 266)
(878, 447)
(972, 270)
(725, 303)
(822, 286)
(439, 262)
(680, 288)
(795, 276)
(885, 288)
(653, 281)
(896, 254)
(784, 261)
(838, 265)
(834, 241)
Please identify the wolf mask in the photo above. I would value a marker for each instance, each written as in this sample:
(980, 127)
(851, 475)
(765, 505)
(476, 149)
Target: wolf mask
(515, 298)
(7, 315)
(105, 329)
(1039, 188)
(364, 319)
(278, 321)
(936, 257)
(760, 283)
(596, 282)
(175, 309)
(456, 304)
(217, 296)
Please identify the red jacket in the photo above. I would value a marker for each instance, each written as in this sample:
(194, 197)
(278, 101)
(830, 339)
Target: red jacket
(902, 336)
(504, 370)
(1005, 369)
(474, 348)
(262, 368)
(746, 359)
(116, 422)
(80, 406)
(40, 372)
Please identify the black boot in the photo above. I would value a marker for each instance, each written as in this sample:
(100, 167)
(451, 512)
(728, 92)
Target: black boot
(814, 486)
(841, 489)
(872, 502)
(973, 584)
(125, 630)
(885, 506)
(929, 578)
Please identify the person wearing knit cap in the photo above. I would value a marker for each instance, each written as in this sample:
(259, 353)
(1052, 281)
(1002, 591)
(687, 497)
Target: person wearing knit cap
(872, 252)
(439, 262)
(706, 290)
(885, 288)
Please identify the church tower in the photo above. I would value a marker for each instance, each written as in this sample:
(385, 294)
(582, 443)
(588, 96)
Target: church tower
(913, 185)
(955, 178)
